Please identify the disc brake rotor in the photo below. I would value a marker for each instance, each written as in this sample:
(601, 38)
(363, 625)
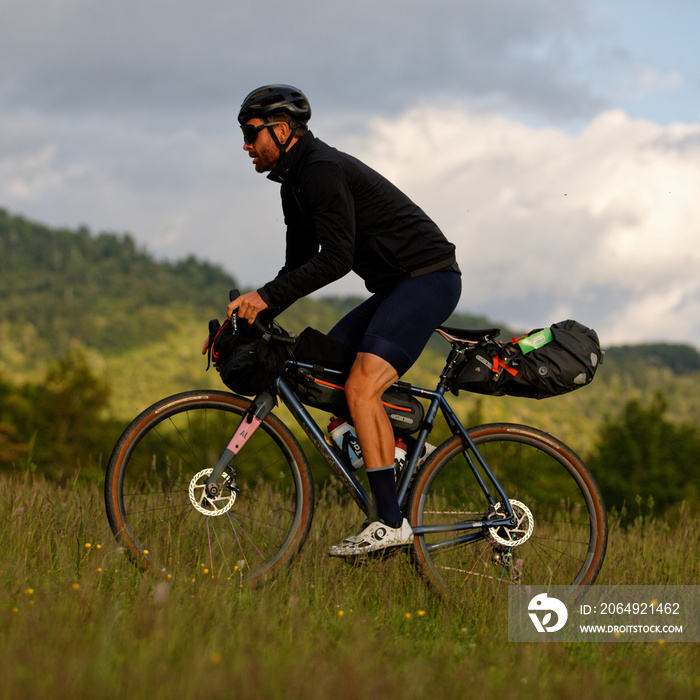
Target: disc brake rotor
(515, 535)
(211, 505)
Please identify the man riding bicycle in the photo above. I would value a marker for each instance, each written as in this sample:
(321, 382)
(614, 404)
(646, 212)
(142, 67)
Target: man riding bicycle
(341, 215)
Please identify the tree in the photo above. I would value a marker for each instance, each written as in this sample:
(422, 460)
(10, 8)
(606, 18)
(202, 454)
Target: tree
(59, 424)
(640, 453)
(14, 413)
(70, 421)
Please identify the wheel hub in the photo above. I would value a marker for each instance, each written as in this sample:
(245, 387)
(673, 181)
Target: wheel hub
(516, 534)
(218, 501)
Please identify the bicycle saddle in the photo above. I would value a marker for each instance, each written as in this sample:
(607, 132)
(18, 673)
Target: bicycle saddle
(469, 334)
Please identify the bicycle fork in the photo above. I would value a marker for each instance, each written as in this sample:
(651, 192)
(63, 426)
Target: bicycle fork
(254, 416)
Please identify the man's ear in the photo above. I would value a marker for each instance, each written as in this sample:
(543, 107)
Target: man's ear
(284, 131)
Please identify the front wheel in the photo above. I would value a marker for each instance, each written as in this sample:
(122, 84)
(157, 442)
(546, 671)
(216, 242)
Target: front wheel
(158, 509)
(561, 532)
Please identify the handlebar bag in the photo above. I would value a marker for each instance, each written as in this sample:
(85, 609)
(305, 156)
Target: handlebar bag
(247, 361)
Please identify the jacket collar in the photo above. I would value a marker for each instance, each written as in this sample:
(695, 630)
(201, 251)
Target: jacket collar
(288, 163)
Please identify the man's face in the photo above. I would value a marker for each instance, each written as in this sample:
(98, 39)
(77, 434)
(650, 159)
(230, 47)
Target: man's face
(263, 150)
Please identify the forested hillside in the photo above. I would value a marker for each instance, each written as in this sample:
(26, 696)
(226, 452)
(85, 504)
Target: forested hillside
(63, 286)
(93, 329)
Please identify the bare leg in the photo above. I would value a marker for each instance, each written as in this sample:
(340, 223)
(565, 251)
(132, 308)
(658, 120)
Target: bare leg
(369, 378)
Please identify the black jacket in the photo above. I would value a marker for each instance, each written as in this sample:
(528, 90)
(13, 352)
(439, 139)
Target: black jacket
(341, 215)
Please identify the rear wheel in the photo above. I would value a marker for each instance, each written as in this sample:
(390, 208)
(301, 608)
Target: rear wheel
(157, 507)
(560, 535)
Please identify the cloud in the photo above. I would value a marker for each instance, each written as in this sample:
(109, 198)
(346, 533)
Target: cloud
(600, 224)
(497, 118)
(135, 58)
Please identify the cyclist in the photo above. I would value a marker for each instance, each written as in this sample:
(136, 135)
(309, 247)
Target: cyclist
(340, 216)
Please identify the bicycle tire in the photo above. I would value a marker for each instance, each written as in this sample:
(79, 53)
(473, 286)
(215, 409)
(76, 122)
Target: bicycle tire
(569, 536)
(151, 491)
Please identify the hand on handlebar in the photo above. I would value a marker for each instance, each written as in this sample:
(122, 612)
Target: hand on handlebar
(248, 306)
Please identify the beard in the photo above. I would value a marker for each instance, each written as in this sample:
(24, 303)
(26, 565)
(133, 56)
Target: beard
(266, 158)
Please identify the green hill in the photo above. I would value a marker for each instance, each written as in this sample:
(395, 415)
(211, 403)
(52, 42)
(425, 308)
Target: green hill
(61, 286)
(104, 292)
(680, 359)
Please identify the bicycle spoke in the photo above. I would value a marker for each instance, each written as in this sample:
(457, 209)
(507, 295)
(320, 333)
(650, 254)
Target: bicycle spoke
(555, 536)
(158, 504)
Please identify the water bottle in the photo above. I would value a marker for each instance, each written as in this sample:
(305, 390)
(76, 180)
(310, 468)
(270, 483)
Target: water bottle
(399, 456)
(344, 437)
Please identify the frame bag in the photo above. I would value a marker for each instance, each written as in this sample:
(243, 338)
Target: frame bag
(547, 362)
(322, 389)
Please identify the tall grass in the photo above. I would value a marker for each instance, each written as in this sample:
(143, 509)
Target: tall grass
(77, 620)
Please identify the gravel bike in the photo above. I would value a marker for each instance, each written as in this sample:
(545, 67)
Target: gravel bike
(212, 484)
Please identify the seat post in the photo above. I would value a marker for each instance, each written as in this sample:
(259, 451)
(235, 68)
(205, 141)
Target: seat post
(454, 356)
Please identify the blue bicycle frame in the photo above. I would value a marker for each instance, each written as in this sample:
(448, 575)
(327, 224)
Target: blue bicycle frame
(437, 403)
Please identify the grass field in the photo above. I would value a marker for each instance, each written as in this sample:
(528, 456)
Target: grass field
(77, 620)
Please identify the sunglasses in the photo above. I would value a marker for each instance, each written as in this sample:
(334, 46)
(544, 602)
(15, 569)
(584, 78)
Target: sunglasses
(250, 132)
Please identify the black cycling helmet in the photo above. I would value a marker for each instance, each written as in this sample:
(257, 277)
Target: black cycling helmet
(275, 98)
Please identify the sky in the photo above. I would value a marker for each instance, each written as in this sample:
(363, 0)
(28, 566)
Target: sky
(555, 142)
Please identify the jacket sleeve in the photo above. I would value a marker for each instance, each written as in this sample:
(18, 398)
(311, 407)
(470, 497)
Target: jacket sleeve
(320, 220)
